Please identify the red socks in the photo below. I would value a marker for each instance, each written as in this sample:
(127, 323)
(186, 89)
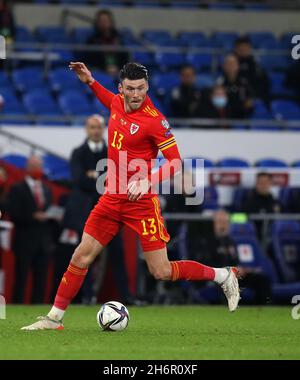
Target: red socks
(191, 270)
(69, 286)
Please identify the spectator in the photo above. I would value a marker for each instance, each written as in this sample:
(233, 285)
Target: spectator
(220, 250)
(261, 200)
(105, 33)
(186, 97)
(7, 25)
(3, 189)
(293, 78)
(251, 70)
(27, 205)
(239, 91)
(218, 106)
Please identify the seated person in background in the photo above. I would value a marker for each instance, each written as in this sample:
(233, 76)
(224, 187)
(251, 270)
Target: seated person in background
(3, 189)
(105, 33)
(220, 250)
(7, 24)
(186, 97)
(251, 70)
(239, 92)
(261, 200)
(218, 106)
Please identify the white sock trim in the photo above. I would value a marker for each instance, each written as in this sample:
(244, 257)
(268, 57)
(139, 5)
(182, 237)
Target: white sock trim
(56, 314)
(220, 275)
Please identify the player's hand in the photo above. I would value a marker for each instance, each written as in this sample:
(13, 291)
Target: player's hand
(82, 72)
(40, 216)
(136, 189)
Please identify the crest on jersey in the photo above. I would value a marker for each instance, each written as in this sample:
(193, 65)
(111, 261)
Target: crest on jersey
(165, 124)
(134, 128)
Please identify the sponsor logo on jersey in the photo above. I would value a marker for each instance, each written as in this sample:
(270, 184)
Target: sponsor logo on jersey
(134, 128)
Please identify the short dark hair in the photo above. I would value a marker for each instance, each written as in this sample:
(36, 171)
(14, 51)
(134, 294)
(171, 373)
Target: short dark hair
(242, 40)
(133, 71)
(264, 174)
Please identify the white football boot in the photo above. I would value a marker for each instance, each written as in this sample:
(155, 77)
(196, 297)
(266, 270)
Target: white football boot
(44, 323)
(231, 288)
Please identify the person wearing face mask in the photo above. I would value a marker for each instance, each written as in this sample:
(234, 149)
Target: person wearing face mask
(27, 205)
(217, 106)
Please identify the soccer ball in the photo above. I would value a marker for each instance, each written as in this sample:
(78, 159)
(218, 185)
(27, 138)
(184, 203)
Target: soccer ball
(113, 316)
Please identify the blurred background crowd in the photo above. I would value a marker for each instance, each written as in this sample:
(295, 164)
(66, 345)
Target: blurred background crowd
(201, 80)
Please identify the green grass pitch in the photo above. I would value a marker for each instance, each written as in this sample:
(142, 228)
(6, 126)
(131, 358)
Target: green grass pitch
(175, 332)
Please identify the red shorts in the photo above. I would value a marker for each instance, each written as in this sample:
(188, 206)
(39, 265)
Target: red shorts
(143, 216)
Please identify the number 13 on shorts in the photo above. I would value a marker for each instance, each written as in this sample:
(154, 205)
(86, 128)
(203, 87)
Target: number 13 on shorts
(149, 226)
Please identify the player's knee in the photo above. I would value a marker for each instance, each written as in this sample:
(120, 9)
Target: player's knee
(162, 273)
(81, 257)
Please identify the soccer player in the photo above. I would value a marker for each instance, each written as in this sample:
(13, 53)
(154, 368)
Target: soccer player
(136, 132)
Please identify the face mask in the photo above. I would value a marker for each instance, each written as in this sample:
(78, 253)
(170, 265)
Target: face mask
(35, 173)
(219, 101)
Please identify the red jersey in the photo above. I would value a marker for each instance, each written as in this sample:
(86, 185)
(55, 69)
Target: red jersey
(132, 137)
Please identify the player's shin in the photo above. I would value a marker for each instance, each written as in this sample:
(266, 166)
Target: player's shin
(69, 286)
(194, 271)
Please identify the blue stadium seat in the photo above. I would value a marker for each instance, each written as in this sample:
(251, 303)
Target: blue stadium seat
(296, 164)
(274, 62)
(106, 80)
(167, 60)
(63, 78)
(27, 79)
(224, 40)
(257, 38)
(199, 61)
(210, 201)
(286, 249)
(143, 57)
(158, 37)
(100, 108)
(271, 163)
(249, 250)
(52, 34)
(286, 39)
(40, 102)
(205, 80)
(128, 38)
(278, 88)
(4, 81)
(289, 198)
(239, 197)
(233, 162)
(24, 35)
(193, 39)
(164, 82)
(75, 103)
(285, 110)
(80, 35)
(17, 160)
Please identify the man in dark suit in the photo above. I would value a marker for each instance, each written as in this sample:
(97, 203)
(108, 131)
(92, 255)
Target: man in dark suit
(27, 205)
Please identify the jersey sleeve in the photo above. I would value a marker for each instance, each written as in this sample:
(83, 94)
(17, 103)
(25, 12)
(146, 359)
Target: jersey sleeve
(103, 95)
(162, 135)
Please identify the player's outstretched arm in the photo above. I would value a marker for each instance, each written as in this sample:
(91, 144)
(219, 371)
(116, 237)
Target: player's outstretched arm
(86, 77)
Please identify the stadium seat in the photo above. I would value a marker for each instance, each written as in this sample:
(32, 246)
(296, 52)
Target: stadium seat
(257, 38)
(24, 35)
(157, 37)
(271, 163)
(143, 57)
(28, 79)
(80, 35)
(40, 102)
(296, 164)
(199, 61)
(106, 80)
(233, 162)
(210, 201)
(285, 110)
(274, 62)
(249, 250)
(278, 88)
(63, 79)
(205, 80)
(224, 40)
(289, 198)
(4, 80)
(52, 34)
(193, 39)
(100, 108)
(165, 82)
(286, 249)
(239, 197)
(169, 60)
(75, 103)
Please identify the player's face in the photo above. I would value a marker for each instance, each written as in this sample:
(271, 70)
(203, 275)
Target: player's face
(134, 92)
